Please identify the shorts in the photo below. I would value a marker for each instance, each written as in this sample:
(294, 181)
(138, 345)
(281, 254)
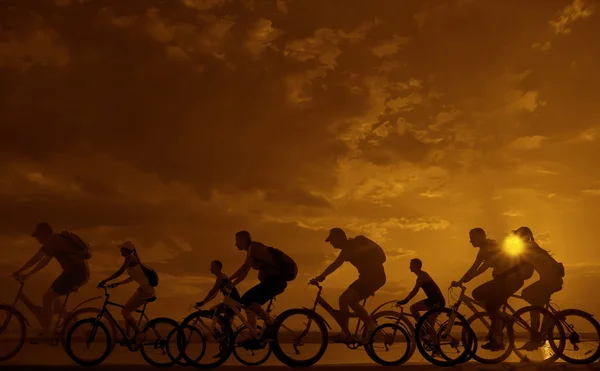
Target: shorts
(67, 282)
(368, 286)
(264, 291)
(435, 303)
(496, 292)
(139, 297)
(539, 293)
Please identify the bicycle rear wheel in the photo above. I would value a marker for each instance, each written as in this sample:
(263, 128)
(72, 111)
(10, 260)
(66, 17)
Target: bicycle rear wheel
(296, 333)
(12, 332)
(433, 337)
(87, 333)
(551, 341)
(582, 333)
(156, 334)
(389, 334)
(243, 355)
(212, 332)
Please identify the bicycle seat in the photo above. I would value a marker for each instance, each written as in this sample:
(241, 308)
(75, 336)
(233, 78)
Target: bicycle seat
(152, 299)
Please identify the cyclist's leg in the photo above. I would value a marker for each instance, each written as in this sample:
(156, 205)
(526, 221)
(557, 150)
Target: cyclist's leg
(418, 307)
(259, 295)
(61, 286)
(539, 294)
(139, 298)
(358, 291)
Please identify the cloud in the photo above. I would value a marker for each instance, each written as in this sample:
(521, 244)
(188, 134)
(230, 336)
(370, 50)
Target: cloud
(591, 192)
(390, 47)
(543, 47)
(578, 9)
(41, 45)
(203, 5)
(109, 15)
(261, 36)
(528, 143)
(513, 214)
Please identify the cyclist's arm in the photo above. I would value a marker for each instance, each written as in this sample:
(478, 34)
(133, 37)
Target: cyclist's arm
(31, 262)
(415, 290)
(242, 273)
(213, 292)
(130, 279)
(40, 265)
(332, 267)
(119, 272)
(474, 271)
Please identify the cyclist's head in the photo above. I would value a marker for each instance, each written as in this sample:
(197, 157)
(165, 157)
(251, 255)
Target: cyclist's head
(127, 248)
(216, 266)
(337, 238)
(415, 265)
(243, 240)
(42, 232)
(525, 233)
(477, 237)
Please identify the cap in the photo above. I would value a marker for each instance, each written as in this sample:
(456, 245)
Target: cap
(42, 229)
(523, 232)
(127, 245)
(335, 233)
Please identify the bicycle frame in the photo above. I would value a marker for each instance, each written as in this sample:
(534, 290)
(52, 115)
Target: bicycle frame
(335, 313)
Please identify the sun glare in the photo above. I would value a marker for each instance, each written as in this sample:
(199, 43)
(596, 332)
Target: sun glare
(513, 245)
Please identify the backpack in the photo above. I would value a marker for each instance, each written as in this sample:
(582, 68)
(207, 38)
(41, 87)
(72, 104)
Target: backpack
(376, 252)
(78, 243)
(151, 275)
(289, 269)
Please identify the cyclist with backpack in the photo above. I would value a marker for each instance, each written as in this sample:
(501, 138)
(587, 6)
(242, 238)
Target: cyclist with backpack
(275, 270)
(368, 258)
(72, 254)
(146, 279)
(538, 293)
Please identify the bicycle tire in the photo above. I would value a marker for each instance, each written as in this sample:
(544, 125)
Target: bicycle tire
(511, 341)
(284, 358)
(22, 331)
(77, 313)
(240, 358)
(466, 331)
(588, 317)
(181, 361)
(404, 322)
(558, 350)
(405, 357)
(150, 324)
(447, 363)
(227, 336)
(69, 339)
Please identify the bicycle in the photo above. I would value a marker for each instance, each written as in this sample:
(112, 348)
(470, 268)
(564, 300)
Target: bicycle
(239, 331)
(64, 320)
(97, 325)
(360, 333)
(571, 335)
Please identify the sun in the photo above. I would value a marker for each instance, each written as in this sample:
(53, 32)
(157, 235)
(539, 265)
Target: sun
(513, 245)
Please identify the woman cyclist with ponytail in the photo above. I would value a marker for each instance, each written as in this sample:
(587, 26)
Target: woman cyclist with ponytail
(144, 292)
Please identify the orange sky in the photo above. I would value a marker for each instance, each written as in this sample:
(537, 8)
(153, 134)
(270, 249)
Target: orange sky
(176, 124)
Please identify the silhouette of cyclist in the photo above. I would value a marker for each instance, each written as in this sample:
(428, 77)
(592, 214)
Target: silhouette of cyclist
(435, 298)
(75, 271)
(538, 293)
(368, 258)
(221, 283)
(272, 283)
(504, 284)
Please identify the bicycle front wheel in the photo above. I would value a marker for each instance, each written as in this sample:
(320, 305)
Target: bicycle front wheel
(203, 334)
(544, 336)
(444, 337)
(481, 324)
(296, 329)
(83, 336)
(582, 333)
(155, 335)
(87, 312)
(386, 336)
(12, 332)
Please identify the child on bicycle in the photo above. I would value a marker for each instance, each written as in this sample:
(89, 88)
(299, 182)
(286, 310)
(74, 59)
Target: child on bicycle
(435, 298)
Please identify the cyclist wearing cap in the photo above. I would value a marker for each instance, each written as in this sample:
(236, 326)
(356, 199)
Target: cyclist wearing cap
(75, 271)
(551, 275)
(435, 298)
(144, 292)
(368, 258)
(272, 283)
(508, 277)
